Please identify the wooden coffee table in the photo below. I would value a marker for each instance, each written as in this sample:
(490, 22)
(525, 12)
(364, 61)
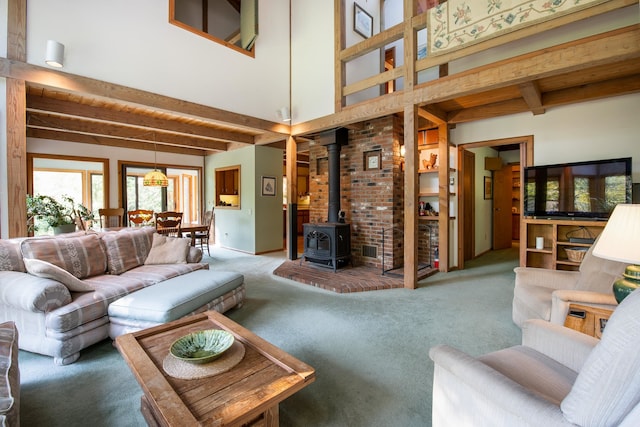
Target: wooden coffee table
(248, 394)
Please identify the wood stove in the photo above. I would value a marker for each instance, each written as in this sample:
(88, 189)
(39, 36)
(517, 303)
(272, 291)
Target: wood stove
(329, 244)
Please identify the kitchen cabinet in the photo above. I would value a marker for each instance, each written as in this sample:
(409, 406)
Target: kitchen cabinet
(227, 183)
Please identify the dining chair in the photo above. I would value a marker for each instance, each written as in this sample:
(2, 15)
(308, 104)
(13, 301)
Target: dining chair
(111, 217)
(139, 217)
(202, 237)
(169, 223)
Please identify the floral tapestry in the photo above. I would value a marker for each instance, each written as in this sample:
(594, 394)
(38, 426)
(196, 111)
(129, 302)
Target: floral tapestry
(459, 23)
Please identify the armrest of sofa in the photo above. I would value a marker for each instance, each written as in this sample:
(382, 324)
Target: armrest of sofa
(482, 389)
(26, 292)
(9, 375)
(561, 299)
(566, 346)
(553, 279)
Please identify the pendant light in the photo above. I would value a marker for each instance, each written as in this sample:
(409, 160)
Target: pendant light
(155, 178)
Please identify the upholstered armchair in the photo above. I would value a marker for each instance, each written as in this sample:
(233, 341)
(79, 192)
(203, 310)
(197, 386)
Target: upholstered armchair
(546, 294)
(557, 377)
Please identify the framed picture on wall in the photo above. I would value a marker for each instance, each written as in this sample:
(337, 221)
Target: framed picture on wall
(488, 188)
(268, 185)
(372, 160)
(362, 22)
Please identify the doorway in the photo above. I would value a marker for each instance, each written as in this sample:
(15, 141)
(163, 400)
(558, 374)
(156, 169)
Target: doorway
(476, 230)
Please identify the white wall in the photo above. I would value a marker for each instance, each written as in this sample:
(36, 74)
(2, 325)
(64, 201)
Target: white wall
(132, 43)
(257, 226)
(312, 63)
(602, 129)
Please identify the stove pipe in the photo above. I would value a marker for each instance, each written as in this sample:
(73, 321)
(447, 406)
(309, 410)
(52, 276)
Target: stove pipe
(333, 152)
(334, 140)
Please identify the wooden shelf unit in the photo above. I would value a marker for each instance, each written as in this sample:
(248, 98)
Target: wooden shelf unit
(556, 234)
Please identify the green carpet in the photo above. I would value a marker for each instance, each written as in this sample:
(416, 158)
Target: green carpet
(369, 349)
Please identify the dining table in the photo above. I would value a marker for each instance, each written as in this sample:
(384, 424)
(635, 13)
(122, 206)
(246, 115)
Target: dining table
(191, 229)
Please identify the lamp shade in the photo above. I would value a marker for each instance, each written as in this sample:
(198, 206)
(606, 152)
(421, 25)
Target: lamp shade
(155, 178)
(620, 239)
(55, 54)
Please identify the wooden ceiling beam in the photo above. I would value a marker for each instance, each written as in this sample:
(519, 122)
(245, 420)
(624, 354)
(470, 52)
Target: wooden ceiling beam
(621, 86)
(433, 114)
(123, 117)
(109, 141)
(606, 48)
(66, 124)
(488, 111)
(532, 96)
(582, 93)
(110, 91)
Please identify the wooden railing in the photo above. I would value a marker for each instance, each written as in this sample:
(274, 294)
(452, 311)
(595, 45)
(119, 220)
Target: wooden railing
(407, 31)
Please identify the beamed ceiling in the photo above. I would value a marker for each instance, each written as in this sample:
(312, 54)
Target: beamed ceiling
(93, 112)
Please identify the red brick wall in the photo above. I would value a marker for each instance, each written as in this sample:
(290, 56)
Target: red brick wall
(373, 200)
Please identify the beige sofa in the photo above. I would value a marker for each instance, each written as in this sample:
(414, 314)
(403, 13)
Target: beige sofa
(9, 376)
(557, 377)
(546, 294)
(58, 289)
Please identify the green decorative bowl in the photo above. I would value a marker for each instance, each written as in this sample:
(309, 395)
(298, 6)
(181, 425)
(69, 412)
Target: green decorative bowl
(201, 346)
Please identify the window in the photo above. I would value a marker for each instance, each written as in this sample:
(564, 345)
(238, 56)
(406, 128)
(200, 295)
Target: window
(81, 178)
(181, 195)
(232, 23)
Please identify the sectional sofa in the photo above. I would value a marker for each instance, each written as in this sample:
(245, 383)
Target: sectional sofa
(58, 289)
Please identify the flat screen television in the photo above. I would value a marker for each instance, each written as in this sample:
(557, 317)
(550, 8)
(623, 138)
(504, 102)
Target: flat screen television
(585, 190)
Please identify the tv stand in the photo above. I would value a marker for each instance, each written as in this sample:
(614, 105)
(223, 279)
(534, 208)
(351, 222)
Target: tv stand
(558, 235)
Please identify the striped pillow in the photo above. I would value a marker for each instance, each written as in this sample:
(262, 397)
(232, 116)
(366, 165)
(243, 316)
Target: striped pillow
(10, 255)
(127, 249)
(82, 256)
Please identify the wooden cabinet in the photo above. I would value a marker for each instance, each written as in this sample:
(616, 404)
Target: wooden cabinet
(303, 218)
(557, 235)
(587, 319)
(227, 182)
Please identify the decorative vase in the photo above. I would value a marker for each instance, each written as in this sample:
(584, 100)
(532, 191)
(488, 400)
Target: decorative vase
(627, 284)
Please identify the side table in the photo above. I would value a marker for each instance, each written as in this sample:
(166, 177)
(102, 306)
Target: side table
(587, 319)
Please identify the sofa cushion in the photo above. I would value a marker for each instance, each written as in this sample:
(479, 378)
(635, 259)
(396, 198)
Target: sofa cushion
(11, 256)
(127, 249)
(83, 256)
(41, 268)
(9, 375)
(177, 297)
(168, 250)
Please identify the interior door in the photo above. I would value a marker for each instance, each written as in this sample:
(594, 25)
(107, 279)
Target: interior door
(502, 222)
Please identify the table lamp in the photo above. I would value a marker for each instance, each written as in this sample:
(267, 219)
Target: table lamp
(620, 241)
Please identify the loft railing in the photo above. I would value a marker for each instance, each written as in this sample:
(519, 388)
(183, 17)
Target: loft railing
(407, 31)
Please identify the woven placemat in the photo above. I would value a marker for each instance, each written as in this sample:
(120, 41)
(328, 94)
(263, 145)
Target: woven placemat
(189, 371)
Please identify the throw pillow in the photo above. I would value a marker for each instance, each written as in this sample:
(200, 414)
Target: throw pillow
(47, 270)
(168, 250)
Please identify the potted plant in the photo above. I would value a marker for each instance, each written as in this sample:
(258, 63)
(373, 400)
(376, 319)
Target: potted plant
(62, 217)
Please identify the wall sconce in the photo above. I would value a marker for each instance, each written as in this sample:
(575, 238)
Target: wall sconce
(403, 150)
(55, 54)
(284, 114)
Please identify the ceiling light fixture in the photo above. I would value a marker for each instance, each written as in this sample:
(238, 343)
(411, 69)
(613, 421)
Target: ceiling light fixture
(155, 178)
(55, 54)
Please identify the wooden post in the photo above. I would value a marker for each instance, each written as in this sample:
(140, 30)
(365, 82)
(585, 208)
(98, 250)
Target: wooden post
(292, 196)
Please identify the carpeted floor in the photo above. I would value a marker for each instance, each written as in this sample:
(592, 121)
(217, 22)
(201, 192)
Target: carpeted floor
(369, 349)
